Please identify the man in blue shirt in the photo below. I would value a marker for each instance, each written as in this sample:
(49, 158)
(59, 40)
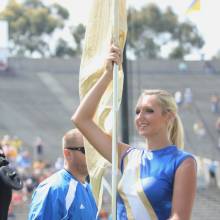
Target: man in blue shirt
(66, 194)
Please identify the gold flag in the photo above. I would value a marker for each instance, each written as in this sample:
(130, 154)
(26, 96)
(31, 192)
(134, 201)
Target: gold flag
(99, 32)
(194, 6)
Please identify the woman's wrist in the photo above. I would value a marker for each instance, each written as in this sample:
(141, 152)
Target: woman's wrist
(108, 74)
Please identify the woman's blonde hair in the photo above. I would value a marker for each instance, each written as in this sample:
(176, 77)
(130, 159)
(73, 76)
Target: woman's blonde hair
(168, 104)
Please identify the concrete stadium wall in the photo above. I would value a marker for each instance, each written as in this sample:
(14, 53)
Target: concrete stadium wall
(54, 65)
(172, 66)
(58, 65)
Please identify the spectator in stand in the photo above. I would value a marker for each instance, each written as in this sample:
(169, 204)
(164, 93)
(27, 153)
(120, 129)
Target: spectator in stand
(10, 151)
(208, 67)
(183, 67)
(188, 97)
(16, 142)
(39, 149)
(212, 170)
(215, 100)
(23, 160)
(59, 163)
(217, 127)
(178, 98)
(199, 129)
(66, 194)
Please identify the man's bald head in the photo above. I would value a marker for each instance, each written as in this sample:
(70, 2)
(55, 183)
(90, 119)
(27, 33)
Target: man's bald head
(73, 138)
(74, 160)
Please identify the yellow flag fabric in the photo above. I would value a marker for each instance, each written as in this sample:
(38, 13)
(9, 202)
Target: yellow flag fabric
(194, 6)
(98, 36)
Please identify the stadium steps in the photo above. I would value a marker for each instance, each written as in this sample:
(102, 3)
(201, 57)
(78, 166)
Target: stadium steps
(29, 109)
(207, 204)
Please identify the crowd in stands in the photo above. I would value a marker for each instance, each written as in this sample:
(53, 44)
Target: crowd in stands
(184, 100)
(215, 103)
(207, 67)
(32, 172)
(215, 109)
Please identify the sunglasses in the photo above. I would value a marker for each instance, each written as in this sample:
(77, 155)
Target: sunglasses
(81, 149)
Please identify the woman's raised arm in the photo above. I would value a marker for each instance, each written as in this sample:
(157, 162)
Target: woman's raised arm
(83, 117)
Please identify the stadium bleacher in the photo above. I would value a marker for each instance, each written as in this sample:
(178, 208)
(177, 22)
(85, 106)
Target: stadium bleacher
(39, 97)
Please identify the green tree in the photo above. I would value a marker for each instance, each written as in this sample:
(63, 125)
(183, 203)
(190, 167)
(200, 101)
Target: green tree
(31, 24)
(78, 34)
(150, 29)
(63, 49)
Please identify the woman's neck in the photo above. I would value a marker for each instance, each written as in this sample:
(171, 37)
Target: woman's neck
(157, 143)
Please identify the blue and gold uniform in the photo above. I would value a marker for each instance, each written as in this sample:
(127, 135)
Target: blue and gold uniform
(146, 186)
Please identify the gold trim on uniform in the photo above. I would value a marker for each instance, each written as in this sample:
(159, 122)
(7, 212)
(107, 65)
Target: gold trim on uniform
(124, 197)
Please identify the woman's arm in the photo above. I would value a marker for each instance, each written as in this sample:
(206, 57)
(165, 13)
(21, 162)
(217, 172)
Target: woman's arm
(184, 190)
(83, 117)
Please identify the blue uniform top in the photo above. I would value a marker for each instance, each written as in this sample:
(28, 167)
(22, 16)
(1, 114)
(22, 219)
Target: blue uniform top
(146, 186)
(62, 197)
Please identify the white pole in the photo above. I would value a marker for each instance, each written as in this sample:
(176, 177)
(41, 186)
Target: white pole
(115, 111)
(114, 142)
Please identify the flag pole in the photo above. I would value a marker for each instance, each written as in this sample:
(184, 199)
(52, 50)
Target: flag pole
(115, 15)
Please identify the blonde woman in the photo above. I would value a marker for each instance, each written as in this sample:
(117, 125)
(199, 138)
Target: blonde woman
(158, 182)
